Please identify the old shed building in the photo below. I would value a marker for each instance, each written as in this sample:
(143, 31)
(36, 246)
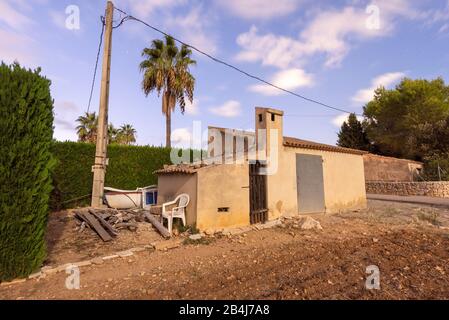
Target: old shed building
(252, 178)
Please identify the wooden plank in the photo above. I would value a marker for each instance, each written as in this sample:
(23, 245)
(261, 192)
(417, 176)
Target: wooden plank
(97, 227)
(104, 223)
(159, 226)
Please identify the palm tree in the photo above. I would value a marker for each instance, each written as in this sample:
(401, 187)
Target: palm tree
(87, 128)
(126, 134)
(165, 69)
(112, 133)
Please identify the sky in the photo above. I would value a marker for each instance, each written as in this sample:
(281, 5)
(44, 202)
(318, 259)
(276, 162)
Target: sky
(336, 52)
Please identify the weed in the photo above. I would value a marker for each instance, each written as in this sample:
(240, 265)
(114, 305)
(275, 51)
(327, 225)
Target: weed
(431, 217)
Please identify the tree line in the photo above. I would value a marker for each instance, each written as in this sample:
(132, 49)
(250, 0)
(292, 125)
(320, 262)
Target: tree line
(410, 121)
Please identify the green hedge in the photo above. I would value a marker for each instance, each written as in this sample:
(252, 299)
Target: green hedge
(129, 167)
(26, 130)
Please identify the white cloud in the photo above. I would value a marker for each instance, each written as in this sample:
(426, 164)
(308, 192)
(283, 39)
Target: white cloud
(192, 29)
(385, 80)
(11, 17)
(290, 79)
(229, 109)
(181, 138)
(192, 108)
(144, 8)
(259, 9)
(16, 46)
(269, 49)
(58, 18)
(330, 32)
(338, 120)
(66, 113)
(439, 16)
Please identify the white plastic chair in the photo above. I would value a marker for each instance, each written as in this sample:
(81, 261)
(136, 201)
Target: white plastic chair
(177, 212)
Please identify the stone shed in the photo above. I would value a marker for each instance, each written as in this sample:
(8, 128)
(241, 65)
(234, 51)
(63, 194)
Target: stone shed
(252, 178)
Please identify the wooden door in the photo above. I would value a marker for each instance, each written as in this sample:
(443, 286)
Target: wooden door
(257, 194)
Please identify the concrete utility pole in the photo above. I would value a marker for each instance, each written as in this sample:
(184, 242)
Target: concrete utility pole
(99, 167)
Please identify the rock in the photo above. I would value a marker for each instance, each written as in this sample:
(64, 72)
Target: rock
(97, 261)
(195, 237)
(13, 282)
(110, 257)
(83, 263)
(126, 253)
(46, 268)
(209, 232)
(309, 223)
(35, 275)
(375, 240)
(166, 245)
(137, 249)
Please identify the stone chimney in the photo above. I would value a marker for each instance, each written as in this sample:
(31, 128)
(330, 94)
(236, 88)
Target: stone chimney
(270, 120)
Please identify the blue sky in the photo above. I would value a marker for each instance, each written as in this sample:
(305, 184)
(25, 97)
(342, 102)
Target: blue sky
(333, 51)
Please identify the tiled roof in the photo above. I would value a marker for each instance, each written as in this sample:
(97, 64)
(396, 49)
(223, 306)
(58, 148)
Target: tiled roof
(299, 143)
(180, 168)
(376, 156)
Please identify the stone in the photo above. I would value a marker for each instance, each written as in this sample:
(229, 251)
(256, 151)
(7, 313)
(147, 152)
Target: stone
(195, 237)
(13, 282)
(45, 268)
(268, 224)
(97, 261)
(110, 257)
(49, 270)
(63, 267)
(124, 254)
(209, 232)
(309, 223)
(166, 245)
(375, 240)
(137, 249)
(35, 275)
(83, 263)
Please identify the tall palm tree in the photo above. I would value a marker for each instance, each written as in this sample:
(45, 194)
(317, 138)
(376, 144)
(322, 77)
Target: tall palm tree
(127, 134)
(165, 69)
(87, 128)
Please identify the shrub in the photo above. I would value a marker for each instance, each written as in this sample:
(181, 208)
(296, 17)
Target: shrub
(129, 167)
(434, 164)
(26, 130)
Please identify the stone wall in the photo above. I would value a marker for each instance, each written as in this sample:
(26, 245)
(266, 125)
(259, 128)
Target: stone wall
(427, 188)
(381, 168)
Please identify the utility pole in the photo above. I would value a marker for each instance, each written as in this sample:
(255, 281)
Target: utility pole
(99, 167)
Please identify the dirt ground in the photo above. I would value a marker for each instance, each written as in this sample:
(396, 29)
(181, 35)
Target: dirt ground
(409, 244)
(65, 244)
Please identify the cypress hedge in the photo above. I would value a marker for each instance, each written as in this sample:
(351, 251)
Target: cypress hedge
(26, 162)
(129, 167)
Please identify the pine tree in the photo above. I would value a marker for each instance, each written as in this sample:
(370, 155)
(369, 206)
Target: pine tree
(353, 135)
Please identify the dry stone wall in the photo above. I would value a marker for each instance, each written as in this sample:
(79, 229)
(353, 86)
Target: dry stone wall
(427, 188)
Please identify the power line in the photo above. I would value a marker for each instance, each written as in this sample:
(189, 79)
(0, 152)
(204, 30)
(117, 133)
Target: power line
(130, 17)
(96, 63)
(311, 115)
